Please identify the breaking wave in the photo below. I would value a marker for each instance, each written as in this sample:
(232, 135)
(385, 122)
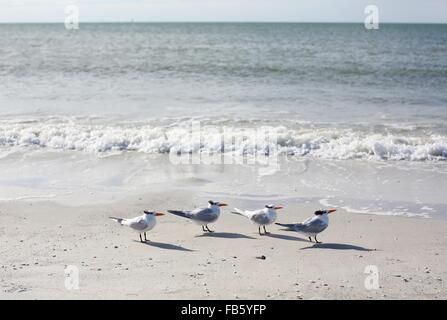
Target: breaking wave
(178, 137)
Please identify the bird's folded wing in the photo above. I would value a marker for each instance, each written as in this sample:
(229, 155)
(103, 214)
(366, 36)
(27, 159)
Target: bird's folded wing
(314, 226)
(119, 220)
(138, 224)
(260, 218)
(181, 213)
(246, 213)
(205, 215)
(308, 220)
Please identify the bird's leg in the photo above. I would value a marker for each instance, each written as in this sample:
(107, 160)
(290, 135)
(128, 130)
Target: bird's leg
(317, 240)
(141, 240)
(208, 229)
(259, 230)
(310, 239)
(203, 229)
(265, 231)
(145, 239)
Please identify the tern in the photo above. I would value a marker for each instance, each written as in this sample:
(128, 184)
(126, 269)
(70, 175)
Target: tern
(202, 216)
(312, 226)
(261, 217)
(140, 224)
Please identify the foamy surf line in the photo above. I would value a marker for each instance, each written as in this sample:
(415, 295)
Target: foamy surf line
(177, 137)
(385, 208)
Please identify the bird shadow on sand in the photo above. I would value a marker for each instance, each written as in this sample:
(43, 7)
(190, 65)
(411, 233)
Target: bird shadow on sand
(337, 246)
(166, 246)
(227, 235)
(283, 237)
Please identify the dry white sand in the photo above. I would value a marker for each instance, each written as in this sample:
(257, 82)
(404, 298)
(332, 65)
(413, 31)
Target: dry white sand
(40, 238)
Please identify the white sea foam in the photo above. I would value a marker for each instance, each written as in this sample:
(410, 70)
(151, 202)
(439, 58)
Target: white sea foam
(302, 141)
(391, 209)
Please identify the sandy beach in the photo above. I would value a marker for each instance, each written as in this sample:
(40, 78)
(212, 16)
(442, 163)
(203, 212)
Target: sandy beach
(40, 238)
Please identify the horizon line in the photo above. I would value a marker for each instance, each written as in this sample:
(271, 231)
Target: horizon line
(277, 22)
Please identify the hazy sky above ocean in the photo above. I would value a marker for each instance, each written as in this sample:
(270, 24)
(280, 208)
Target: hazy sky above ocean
(432, 11)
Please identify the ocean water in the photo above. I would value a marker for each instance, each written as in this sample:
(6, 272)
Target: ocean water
(328, 92)
(336, 90)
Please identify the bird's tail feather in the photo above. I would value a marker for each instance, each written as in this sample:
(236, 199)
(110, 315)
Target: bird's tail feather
(289, 226)
(238, 211)
(179, 213)
(119, 220)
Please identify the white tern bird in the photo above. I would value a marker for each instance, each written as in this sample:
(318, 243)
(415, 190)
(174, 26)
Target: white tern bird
(312, 226)
(140, 224)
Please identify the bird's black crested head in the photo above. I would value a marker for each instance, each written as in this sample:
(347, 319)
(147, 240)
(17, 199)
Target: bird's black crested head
(211, 202)
(270, 206)
(320, 212)
(148, 212)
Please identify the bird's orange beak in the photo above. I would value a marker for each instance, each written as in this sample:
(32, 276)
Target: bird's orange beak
(223, 204)
(331, 210)
(278, 207)
(157, 214)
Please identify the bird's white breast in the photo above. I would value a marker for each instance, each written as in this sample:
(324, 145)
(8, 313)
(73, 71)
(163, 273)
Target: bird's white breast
(151, 222)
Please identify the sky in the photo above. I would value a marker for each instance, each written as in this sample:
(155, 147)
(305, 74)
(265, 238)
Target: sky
(417, 11)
